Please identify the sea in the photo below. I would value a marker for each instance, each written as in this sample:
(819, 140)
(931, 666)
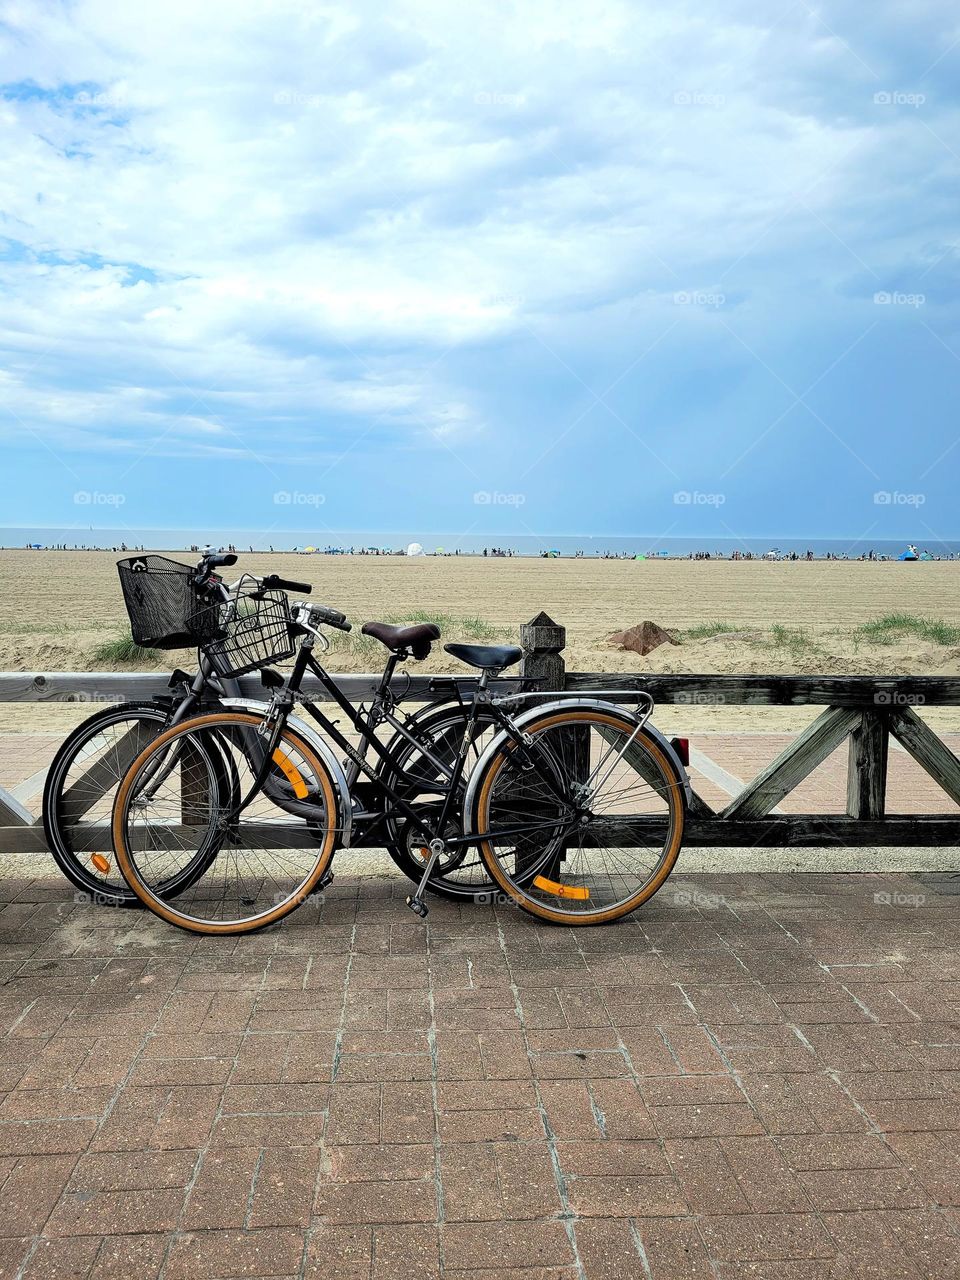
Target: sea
(182, 540)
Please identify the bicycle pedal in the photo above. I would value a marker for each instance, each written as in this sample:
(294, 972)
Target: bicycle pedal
(325, 879)
(418, 907)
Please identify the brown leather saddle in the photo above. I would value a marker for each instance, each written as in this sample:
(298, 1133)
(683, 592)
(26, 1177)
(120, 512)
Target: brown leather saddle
(416, 639)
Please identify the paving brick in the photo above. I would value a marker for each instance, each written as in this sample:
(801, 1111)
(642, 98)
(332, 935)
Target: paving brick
(283, 1189)
(204, 1255)
(766, 1237)
(219, 1195)
(672, 1249)
(855, 1189)
(108, 1212)
(60, 1259)
(505, 1246)
(490, 1181)
(705, 1176)
(121, 1257)
(764, 1175)
(377, 1202)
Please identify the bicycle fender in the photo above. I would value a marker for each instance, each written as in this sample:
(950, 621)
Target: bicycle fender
(595, 704)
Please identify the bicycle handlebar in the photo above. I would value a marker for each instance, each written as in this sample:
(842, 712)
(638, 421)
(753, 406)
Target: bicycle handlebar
(332, 617)
(274, 583)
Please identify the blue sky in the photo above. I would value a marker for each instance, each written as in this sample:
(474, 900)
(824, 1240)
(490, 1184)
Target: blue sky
(612, 269)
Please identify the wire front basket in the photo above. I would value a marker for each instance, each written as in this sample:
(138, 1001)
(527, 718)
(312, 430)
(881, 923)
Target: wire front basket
(166, 608)
(255, 631)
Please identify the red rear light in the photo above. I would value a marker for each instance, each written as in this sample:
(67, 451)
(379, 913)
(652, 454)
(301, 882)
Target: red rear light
(682, 747)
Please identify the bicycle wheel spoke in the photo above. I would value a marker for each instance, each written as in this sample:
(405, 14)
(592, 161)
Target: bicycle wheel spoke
(239, 869)
(597, 776)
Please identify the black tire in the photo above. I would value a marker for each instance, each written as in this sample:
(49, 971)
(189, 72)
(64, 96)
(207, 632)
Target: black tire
(104, 888)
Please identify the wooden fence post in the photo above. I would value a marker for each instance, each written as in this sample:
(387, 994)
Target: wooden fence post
(543, 644)
(867, 766)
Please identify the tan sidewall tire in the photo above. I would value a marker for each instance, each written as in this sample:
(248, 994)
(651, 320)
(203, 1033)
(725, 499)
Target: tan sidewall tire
(157, 905)
(613, 913)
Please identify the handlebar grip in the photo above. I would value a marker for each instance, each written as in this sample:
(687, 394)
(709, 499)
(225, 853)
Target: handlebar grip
(216, 559)
(332, 617)
(274, 583)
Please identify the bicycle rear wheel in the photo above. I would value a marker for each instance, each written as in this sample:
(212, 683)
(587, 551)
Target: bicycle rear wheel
(173, 807)
(78, 797)
(592, 847)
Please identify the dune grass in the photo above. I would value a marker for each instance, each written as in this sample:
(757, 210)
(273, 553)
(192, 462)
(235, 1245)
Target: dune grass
(704, 630)
(123, 648)
(894, 626)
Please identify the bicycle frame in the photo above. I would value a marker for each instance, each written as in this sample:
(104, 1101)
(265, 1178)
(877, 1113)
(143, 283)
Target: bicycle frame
(365, 724)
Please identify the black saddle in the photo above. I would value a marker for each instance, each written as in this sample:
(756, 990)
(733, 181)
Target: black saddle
(490, 657)
(416, 639)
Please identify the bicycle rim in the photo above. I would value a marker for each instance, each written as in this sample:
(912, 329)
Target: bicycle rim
(260, 863)
(616, 827)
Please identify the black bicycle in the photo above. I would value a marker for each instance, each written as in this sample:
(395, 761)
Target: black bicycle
(170, 606)
(575, 806)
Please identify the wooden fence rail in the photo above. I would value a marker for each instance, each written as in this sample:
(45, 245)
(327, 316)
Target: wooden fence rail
(863, 710)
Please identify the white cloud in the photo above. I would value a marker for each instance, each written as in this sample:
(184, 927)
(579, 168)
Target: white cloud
(268, 211)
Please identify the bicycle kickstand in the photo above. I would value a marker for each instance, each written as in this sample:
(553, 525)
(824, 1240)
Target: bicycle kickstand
(415, 900)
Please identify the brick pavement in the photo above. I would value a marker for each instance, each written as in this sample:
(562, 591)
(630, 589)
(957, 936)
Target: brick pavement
(756, 1075)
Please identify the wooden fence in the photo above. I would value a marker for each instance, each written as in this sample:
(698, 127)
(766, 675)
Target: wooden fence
(865, 710)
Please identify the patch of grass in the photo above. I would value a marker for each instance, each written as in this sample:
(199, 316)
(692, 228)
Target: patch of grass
(793, 638)
(123, 648)
(703, 630)
(894, 626)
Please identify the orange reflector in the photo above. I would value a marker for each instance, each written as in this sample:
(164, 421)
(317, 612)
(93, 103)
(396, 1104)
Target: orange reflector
(100, 862)
(562, 890)
(291, 773)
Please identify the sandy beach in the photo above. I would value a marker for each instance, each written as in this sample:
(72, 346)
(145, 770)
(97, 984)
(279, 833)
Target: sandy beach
(57, 607)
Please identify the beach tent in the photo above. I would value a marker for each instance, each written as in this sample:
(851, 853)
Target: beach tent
(415, 549)
(309, 548)
(554, 552)
(638, 556)
(439, 551)
(908, 555)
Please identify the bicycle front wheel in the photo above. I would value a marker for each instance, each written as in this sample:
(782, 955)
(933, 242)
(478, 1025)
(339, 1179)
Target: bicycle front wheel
(582, 822)
(177, 805)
